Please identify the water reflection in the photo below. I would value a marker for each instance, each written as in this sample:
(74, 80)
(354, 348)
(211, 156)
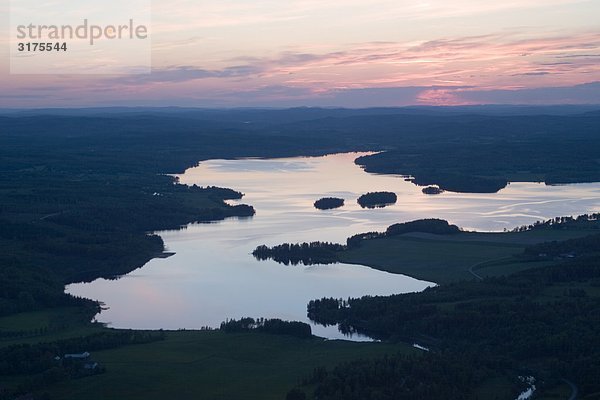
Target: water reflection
(213, 275)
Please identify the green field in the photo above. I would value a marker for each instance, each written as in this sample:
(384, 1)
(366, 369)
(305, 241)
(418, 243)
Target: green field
(190, 364)
(214, 365)
(449, 258)
(46, 326)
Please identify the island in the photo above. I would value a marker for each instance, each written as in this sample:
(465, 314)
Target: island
(305, 253)
(377, 199)
(329, 203)
(432, 190)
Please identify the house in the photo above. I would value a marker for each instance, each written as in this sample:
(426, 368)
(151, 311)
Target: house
(568, 255)
(78, 356)
(92, 365)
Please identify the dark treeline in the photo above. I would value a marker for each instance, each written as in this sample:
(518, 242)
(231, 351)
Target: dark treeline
(437, 144)
(568, 248)
(217, 193)
(273, 326)
(430, 225)
(377, 199)
(329, 203)
(485, 158)
(304, 253)
(26, 287)
(584, 221)
(458, 182)
(327, 253)
(546, 318)
(429, 376)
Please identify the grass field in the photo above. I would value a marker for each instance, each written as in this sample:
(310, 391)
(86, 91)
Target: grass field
(214, 365)
(46, 326)
(448, 258)
(187, 364)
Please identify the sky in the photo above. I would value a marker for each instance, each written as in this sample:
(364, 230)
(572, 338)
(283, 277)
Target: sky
(345, 53)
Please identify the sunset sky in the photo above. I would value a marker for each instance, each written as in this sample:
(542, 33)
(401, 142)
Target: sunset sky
(349, 53)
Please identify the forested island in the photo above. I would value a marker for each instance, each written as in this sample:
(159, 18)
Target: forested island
(432, 190)
(305, 253)
(377, 199)
(329, 203)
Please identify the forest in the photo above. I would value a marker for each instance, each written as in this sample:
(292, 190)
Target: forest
(545, 319)
(396, 376)
(538, 320)
(329, 203)
(82, 190)
(328, 253)
(274, 326)
(377, 199)
(304, 253)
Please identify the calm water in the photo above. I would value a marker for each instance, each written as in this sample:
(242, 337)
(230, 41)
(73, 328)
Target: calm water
(213, 276)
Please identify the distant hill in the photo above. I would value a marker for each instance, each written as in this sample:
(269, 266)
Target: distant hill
(460, 149)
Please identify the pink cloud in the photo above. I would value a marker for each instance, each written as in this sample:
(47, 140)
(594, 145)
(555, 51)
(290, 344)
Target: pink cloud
(440, 69)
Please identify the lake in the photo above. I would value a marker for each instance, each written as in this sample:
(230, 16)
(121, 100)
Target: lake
(213, 276)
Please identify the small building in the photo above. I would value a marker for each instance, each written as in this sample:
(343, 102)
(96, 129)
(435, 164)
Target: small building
(92, 365)
(78, 356)
(567, 255)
